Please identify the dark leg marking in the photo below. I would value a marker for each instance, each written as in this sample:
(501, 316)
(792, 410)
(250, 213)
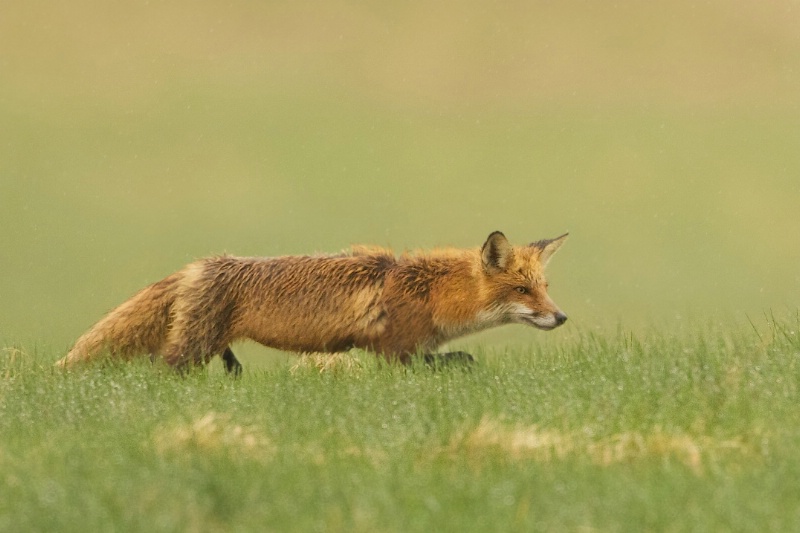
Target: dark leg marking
(232, 365)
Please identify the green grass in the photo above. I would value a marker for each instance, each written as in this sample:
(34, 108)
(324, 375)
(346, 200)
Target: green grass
(697, 432)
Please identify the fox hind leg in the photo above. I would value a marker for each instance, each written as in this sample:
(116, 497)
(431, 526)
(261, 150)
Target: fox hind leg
(200, 330)
(184, 358)
(232, 365)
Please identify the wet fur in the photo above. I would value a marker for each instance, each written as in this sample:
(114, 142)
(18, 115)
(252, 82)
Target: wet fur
(367, 298)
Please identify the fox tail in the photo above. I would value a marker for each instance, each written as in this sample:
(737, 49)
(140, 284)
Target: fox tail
(139, 325)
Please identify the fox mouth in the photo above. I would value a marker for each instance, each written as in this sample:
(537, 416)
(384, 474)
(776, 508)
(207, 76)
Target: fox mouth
(545, 323)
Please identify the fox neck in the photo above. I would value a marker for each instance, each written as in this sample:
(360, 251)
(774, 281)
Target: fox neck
(461, 303)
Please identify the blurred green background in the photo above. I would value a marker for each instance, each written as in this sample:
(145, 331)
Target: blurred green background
(138, 136)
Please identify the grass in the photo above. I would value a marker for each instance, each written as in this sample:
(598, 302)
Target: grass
(597, 433)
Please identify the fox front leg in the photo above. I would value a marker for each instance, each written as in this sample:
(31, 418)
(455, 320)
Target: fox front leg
(437, 360)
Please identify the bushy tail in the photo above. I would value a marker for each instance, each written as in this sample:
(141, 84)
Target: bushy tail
(138, 326)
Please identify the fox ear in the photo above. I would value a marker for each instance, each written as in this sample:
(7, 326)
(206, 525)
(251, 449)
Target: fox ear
(496, 253)
(548, 247)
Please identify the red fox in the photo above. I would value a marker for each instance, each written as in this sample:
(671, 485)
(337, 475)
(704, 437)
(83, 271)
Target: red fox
(394, 306)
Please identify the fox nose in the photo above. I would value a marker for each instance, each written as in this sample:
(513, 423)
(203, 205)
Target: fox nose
(560, 318)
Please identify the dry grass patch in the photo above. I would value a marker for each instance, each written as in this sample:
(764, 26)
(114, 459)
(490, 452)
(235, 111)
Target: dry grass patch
(518, 443)
(214, 433)
(333, 363)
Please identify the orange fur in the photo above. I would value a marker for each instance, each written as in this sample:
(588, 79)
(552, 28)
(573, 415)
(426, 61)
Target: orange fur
(367, 298)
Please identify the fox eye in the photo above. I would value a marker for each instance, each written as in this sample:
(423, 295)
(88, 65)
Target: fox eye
(521, 289)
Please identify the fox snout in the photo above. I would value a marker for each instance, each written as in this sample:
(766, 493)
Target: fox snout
(548, 321)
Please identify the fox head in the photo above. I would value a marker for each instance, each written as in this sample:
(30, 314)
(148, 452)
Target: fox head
(515, 282)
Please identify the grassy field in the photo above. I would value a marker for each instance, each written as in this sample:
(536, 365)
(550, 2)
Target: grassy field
(664, 138)
(136, 137)
(599, 433)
